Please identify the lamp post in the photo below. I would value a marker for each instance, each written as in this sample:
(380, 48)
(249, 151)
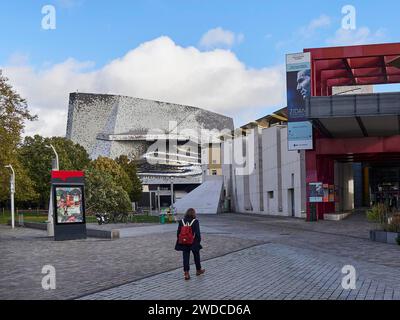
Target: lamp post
(172, 192)
(57, 166)
(50, 222)
(12, 191)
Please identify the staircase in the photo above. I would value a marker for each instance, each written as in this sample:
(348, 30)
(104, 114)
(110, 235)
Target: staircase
(205, 199)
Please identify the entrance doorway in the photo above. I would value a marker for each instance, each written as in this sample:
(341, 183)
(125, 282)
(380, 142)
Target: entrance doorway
(291, 203)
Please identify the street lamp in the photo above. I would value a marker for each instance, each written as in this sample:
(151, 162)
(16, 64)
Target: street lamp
(50, 222)
(57, 167)
(12, 190)
(172, 192)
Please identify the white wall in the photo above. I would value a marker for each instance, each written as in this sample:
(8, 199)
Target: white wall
(280, 172)
(291, 176)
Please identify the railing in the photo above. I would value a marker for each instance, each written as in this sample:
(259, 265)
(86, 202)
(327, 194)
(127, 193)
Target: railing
(353, 105)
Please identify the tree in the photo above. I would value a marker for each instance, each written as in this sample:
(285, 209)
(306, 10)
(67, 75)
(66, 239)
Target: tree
(103, 195)
(13, 114)
(36, 157)
(119, 176)
(129, 166)
(72, 156)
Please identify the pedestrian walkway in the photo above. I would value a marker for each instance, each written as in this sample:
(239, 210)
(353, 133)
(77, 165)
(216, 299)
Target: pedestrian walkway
(289, 256)
(268, 271)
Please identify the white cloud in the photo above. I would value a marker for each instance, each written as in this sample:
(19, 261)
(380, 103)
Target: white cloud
(160, 70)
(306, 32)
(220, 38)
(362, 35)
(318, 23)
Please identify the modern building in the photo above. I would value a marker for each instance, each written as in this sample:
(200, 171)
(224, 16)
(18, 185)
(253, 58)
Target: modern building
(335, 147)
(356, 137)
(260, 174)
(166, 139)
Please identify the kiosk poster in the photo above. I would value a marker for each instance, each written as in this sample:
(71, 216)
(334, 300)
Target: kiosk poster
(316, 190)
(69, 205)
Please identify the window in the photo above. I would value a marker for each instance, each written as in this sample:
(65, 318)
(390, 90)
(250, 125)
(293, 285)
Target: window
(270, 194)
(214, 172)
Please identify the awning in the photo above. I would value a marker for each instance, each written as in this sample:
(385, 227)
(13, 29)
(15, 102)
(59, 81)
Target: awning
(348, 116)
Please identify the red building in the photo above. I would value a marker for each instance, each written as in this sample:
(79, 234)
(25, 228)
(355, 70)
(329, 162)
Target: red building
(361, 129)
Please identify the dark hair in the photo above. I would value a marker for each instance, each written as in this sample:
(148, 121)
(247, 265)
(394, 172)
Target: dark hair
(190, 213)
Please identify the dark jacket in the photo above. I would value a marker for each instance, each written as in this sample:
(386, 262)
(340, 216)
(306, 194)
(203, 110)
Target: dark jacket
(196, 246)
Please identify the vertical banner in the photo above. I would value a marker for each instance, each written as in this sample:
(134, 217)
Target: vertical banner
(298, 84)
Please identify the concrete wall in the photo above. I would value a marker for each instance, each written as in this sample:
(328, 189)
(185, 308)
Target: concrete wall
(273, 173)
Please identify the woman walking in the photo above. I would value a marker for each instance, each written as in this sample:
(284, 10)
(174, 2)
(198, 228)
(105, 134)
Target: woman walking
(188, 240)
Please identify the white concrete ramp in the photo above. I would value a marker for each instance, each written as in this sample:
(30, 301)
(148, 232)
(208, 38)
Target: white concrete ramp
(205, 199)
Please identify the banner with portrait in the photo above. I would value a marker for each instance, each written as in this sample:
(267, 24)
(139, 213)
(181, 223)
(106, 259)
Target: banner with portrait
(298, 86)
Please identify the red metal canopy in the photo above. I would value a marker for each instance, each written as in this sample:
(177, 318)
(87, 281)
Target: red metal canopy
(353, 65)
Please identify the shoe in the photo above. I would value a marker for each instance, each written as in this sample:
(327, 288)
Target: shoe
(200, 272)
(187, 275)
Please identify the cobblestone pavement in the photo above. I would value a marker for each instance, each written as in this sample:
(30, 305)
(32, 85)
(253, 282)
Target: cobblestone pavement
(85, 266)
(269, 271)
(297, 250)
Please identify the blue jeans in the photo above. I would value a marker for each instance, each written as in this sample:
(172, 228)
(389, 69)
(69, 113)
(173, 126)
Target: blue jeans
(186, 260)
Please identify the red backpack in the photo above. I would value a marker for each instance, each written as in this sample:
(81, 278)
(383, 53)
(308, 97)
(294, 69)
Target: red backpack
(186, 236)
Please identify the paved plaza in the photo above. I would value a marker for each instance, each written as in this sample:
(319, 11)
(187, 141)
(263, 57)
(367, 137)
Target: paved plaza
(246, 257)
(269, 271)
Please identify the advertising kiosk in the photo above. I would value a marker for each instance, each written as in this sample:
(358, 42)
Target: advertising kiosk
(68, 192)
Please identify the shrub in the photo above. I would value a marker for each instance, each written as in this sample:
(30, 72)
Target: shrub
(393, 224)
(378, 213)
(103, 195)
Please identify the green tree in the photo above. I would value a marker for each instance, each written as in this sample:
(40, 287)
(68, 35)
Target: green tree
(119, 176)
(13, 114)
(129, 166)
(103, 195)
(36, 157)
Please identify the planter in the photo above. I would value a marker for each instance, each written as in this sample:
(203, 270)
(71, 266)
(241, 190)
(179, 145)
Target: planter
(392, 236)
(383, 236)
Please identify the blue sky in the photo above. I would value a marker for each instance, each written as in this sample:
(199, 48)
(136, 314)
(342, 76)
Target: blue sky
(257, 34)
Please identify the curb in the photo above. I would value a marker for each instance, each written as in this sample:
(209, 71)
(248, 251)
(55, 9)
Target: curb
(92, 233)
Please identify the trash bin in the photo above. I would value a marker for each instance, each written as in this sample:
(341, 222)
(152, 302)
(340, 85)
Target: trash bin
(162, 218)
(170, 218)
